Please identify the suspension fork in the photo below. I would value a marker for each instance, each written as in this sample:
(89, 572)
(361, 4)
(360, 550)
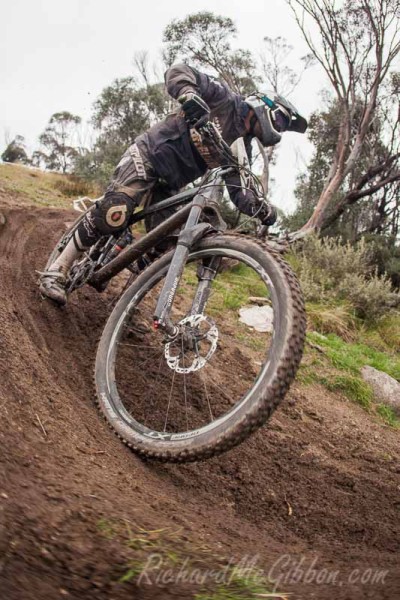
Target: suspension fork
(192, 232)
(206, 273)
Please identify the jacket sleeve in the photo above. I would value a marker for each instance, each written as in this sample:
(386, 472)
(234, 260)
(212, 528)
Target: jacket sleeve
(182, 79)
(246, 201)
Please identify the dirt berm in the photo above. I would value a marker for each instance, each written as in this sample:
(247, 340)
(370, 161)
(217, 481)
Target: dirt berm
(313, 494)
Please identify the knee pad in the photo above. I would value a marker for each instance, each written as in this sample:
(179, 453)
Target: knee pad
(112, 214)
(108, 217)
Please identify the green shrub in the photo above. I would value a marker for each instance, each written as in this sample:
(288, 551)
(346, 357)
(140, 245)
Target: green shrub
(332, 272)
(371, 297)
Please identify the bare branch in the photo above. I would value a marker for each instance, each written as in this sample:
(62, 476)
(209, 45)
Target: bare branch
(359, 42)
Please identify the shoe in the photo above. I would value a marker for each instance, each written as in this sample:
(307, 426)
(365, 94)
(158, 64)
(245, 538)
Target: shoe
(52, 285)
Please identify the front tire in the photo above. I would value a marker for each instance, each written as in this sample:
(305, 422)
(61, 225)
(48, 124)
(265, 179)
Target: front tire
(247, 413)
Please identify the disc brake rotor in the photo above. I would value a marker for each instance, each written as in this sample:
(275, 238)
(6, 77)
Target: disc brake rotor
(176, 352)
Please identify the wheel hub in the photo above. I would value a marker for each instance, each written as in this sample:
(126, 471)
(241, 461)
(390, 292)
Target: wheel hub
(194, 345)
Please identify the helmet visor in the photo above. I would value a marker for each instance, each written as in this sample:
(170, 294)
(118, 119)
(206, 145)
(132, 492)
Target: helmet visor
(281, 120)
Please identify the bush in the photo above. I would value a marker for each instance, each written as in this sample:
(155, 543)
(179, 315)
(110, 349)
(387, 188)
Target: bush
(385, 254)
(389, 330)
(332, 272)
(371, 297)
(337, 319)
(73, 187)
(15, 152)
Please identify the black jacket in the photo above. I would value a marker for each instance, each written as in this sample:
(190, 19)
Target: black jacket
(168, 145)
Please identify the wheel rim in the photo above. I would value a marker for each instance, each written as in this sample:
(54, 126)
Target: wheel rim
(161, 401)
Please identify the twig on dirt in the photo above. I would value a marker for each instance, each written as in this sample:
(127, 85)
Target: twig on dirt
(273, 596)
(289, 508)
(259, 300)
(41, 425)
(316, 347)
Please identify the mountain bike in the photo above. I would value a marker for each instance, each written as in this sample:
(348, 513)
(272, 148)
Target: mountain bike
(179, 374)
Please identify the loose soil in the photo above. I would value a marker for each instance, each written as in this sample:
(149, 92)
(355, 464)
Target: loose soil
(319, 488)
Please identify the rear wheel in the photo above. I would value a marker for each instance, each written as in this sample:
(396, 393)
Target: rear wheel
(220, 379)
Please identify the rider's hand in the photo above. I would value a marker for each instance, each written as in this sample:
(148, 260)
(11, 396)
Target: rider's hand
(195, 108)
(268, 214)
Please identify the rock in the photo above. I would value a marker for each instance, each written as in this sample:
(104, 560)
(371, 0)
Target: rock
(261, 318)
(386, 389)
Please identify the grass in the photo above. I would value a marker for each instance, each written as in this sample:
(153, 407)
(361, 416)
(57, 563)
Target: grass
(338, 319)
(40, 187)
(251, 340)
(388, 415)
(352, 357)
(352, 387)
(384, 335)
(335, 364)
(241, 588)
(233, 287)
(167, 552)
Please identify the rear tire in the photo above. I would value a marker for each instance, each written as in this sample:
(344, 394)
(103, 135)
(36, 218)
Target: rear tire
(252, 411)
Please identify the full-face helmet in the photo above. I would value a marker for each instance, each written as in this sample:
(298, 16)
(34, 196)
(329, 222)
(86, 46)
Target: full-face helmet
(275, 115)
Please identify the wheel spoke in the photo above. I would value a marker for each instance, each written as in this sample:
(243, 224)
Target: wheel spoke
(169, 401)
(154, 386)
(139, 345)
(184, 386)
(207, 396)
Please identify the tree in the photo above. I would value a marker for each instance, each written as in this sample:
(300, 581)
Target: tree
(356, 45)
(120, 111)
(124, 110)
(278, 74)
(360, 216)
(15, 151)
(283, 80)
(97, 163)
(203, 39)
(58, 152)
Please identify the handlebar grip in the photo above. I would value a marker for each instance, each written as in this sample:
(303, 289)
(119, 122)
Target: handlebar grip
(201, 122)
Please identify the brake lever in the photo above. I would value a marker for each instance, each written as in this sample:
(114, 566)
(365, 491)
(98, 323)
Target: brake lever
(201, 123)
(262, 231)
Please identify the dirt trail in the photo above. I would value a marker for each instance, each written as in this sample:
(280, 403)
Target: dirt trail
(321, 482)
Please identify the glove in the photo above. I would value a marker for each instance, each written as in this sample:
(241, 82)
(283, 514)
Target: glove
(268, 214)
(195, 109)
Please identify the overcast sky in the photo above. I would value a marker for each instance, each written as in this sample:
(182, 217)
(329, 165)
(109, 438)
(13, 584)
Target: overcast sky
(59, 55)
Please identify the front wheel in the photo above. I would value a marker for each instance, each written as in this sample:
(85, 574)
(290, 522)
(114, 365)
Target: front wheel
(183, 401)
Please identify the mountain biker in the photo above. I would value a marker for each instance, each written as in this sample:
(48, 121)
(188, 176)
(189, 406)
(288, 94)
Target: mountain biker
(173, 151)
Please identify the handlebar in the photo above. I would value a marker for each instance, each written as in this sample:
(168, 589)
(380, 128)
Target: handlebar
(229, 162)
